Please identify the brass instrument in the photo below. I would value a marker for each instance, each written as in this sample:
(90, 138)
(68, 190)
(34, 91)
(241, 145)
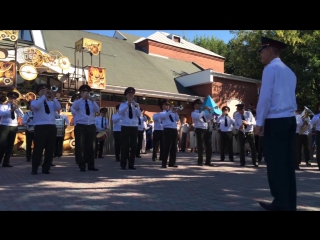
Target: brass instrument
(304, 116)
(134, 104)
(178, 108)
(23, 104)
(54, 88)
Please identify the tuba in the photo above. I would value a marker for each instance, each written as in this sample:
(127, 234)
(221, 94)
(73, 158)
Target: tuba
(304, 115)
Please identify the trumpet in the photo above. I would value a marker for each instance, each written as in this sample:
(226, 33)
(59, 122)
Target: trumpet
(14, 104)
(134, 104)
(54, 88)
(178, 108)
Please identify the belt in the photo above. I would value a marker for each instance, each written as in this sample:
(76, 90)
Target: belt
(249, 133)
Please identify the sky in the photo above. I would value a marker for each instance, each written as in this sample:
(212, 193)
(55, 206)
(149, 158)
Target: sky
(224, 35)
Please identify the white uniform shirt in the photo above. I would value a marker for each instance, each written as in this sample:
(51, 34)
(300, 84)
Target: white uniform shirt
(157, 122)
(116, 121)
(5, 114)
(26, 117)
(185, 128)
(277, 97)
(141, 124)
(197, 115)
(248, 117)
(40, 116)
(80, 112)
(316, 121)
(124, 113)
(166, 121)
(230, 123)
(105, 124)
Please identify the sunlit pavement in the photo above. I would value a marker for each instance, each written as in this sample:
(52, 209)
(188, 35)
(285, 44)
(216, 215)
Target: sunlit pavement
(227, 187)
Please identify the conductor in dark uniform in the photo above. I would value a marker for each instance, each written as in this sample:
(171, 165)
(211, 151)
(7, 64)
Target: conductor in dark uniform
(276, 121)
(85, 109)
(45, 130)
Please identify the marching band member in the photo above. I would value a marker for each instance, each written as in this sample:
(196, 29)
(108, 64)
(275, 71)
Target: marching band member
(302, 138)
(169, 118)
(158, 137)
(215, 135)
(85, 129)
(59, 140)
(316, 121)
(244, 121)
(116, 121)
(141, 134)
(129, 112)
(45, 131)
(200, 119)
(28, 121)
(9, 114)
(73, 121)
(102, 124)
(226, 135)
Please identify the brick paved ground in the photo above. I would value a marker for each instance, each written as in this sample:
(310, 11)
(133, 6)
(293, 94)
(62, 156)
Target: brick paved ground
(189, 187)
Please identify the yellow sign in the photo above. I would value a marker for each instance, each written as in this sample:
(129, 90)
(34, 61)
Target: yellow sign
(7, 74)
(97, 77)
(91, 45)
(9, 34)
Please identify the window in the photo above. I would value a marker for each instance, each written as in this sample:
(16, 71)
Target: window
(107, 96)
(25, 35)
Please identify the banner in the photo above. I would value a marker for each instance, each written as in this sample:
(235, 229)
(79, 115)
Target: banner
(97, 77)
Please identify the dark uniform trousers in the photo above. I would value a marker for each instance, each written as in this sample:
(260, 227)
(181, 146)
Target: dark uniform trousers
(117, 144)
(318, 147)
(29, 140)
(204, 139)
(7, 137)
(158, 142)
(129, 136)
(302, 140)
(170, 146)
(279, 152)
(260, 148)
(139, 144)
(44, 138)
(85, 145)
(58, 147)
(226, 142)
(99, 147)
(248, 136)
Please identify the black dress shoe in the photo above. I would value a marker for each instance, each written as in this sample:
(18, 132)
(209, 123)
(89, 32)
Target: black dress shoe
(255, 165)
(221, 160)
(164, 166)
(28, 160)
(172, 165)
(199, 164)
(82, 169)
(34, 173)
(52, 165)
(267, 206)
(101, 157)
(308, 163)
(45, 172)
(123, 168)
(7, 165)
(209, 164)
(93, 169)
(138, 156)
(132, 168)
(154, 159)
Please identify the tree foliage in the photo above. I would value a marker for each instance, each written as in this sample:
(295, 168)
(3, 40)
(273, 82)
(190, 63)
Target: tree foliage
(302, 55)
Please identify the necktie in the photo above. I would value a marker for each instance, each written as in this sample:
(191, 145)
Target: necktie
(139, 120)
(130, 112)
(245, 126)
(171, 118)
(225, 121)
(46, 107)
(12, 114)
(203, 118)
(87, 108)
(101, 122)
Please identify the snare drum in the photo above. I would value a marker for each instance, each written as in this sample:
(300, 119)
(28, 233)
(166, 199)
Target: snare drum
(60, 127)
(102, 135)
